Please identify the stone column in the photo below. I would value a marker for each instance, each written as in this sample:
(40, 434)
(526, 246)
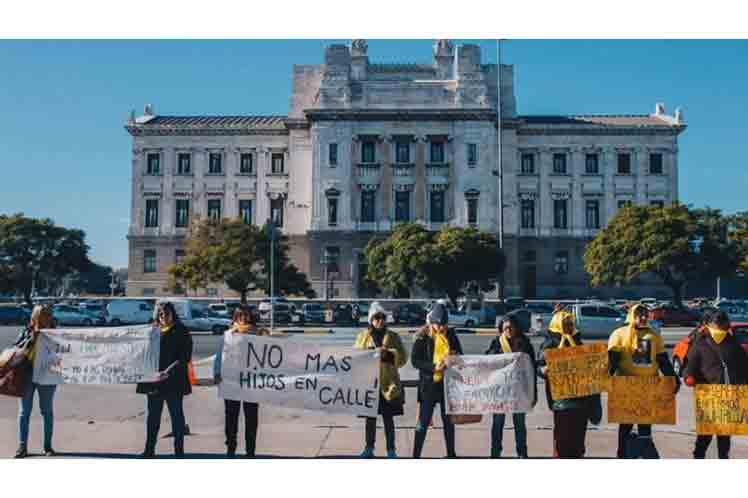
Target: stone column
(231, 204)
(671, 169)
(263, 202)
(136, 218)
(166, 221)
(420, 177)
(544, 167)
(355, 190)
(384, 152)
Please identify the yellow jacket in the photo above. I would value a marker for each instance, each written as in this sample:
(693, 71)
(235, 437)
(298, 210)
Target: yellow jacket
(389, 376)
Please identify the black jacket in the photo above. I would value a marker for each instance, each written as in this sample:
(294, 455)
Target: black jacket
(519, 344)
(176, 345)
(422, 359)
(705, 365)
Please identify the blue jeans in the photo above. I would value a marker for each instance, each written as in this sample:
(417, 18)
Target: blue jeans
(497, 434)
(25, 405)
(154, 408)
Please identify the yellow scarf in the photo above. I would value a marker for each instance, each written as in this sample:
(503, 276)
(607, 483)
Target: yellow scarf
(242, 328)
(717, 334)
(505, 346)
(557, 327)
(441, 351)
(631, 339)
(166, 330)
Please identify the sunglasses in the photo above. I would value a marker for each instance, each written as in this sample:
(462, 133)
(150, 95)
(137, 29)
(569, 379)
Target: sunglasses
(378, 317)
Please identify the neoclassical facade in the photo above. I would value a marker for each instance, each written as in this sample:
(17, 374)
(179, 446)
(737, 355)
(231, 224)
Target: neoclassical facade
(366, 146)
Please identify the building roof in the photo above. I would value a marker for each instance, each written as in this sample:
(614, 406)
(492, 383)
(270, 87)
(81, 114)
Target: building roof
(207, 124)
(636, 120)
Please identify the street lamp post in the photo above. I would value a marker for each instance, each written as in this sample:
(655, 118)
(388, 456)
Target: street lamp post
(500, 286)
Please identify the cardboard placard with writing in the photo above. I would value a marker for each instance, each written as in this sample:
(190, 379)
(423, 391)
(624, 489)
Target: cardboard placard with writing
(721, 410)
(577, 371)
(299, 374)
(641, 400)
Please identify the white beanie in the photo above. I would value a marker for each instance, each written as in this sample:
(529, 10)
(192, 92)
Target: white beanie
(374, 309)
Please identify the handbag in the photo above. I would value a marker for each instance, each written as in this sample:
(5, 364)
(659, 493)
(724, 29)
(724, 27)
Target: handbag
(465, 418)
(13, 378)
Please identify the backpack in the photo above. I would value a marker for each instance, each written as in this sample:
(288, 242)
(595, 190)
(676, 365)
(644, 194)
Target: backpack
(640, 447)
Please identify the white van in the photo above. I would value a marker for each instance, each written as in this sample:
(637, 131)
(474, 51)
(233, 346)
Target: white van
(128, 311)
(198, 317)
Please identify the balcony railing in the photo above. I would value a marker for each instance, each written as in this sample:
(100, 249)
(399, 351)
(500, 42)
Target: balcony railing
(368, 170)
(403, 169)
(437, 169)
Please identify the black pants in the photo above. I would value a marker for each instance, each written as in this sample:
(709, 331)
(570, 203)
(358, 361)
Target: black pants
(389, 431)
(570, 432)
(250, 424)
(703, 442)
(425, 412)
(624, 430)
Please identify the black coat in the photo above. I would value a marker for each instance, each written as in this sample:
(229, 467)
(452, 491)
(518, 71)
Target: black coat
(422, 359)
(519, 344)
(176, 345)
(705, 366)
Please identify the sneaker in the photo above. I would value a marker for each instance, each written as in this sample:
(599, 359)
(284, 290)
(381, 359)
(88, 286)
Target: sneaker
(148, 454)
(21, 452)
(231, 451)
(49, 452)
(391, 453)
(368, 452)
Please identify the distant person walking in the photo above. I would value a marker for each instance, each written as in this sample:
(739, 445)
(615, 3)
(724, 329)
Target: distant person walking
(638, 350)
(244, 322)
(570, 416)
(41, 318)
(432, 352)
(172, 383)
(715, 357)
(391, 394)
(510, 339)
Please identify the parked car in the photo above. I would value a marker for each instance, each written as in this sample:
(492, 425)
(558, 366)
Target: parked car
(343, 314)
(14, 315)
(199, 318)
(513, 303)
(680, 351)
(220, 309)
(95, 310)
(409, 314)
(540, 308)
(128, 311)
(674, 316)
(282, 314)
(312, 313)
(65, 315)
(265, 305)
(596, 321)
(649, 301)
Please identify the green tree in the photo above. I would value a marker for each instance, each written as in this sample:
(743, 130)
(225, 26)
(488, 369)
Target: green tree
(33, 250)
(289, 280)
(95, 280)
(738, 233)
(674, 243)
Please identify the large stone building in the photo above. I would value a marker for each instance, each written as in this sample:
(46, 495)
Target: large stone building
(367, 145)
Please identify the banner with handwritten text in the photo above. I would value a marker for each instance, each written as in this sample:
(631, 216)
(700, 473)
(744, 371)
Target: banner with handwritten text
(641, 400)
(721, 410)
(577, 371)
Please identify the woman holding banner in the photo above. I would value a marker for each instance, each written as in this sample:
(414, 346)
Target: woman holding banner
(638, 350)
(570, 416)
(433, 350)
(172, 383)
(511, 339)
(715, 357)
(41, 318)
(391, 395)
(244, 322)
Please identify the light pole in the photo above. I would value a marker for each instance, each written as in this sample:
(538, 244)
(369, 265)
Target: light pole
(112, 285)
(500, 286)
(271, 227)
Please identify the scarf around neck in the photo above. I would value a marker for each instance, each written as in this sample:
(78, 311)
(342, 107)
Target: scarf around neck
(557, 327)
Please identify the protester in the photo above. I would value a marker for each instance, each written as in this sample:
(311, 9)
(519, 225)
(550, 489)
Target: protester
(244, 322)
(570, 416)
(637, 350)
(433, 351)
(715, 357)
(391, 394)
(41, 318)
(172, 383)
(511, 339)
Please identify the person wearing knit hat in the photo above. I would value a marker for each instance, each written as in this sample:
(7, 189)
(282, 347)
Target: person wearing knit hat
(570, 416)
(391, 394)
(715, 357)
(433, 350)
(638, 350)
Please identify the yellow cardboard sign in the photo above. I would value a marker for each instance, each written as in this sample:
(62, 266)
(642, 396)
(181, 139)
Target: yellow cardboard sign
(641, 400)
(577, 371)
(721, 410)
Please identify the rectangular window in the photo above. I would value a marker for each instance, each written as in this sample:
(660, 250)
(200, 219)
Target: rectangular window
(332, 211)
(402, 206)
(276, 211)
(402, 152)
(561, 263)
(437, 152)
(528, 164)
(153, 166)
(182, 213)
(332, 259)
(559, 164)
(367, 152)
(528, 213)
(178, 256)
(246, 163)
(560, 215)
(149, 261)
(215, 166)
(472, 153)
(624, 164)
(657, 204)
(592, 211)
(655, 164)
(592, 164)
(472, 207)
(184, 163)
(214, 209)
(332, 154)
(367, 206)
(437, 207)
(151, 213)
(245, 211)
(277, 164)
(624, 203)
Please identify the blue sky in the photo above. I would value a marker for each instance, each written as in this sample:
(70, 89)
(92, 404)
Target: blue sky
(65, 155)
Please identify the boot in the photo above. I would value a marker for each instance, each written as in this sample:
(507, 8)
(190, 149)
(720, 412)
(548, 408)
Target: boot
(368, 452)
(21, 452)
(231, 451)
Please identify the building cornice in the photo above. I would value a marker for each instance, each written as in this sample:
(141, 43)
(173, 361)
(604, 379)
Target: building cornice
(598, 130)
(147, 131)
(400, 114)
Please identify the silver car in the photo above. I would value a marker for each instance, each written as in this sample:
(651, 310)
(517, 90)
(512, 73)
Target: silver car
(69, 315)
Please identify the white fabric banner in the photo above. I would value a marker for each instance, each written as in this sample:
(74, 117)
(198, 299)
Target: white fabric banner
(296, 374)
(479, 384)
(119, 355)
